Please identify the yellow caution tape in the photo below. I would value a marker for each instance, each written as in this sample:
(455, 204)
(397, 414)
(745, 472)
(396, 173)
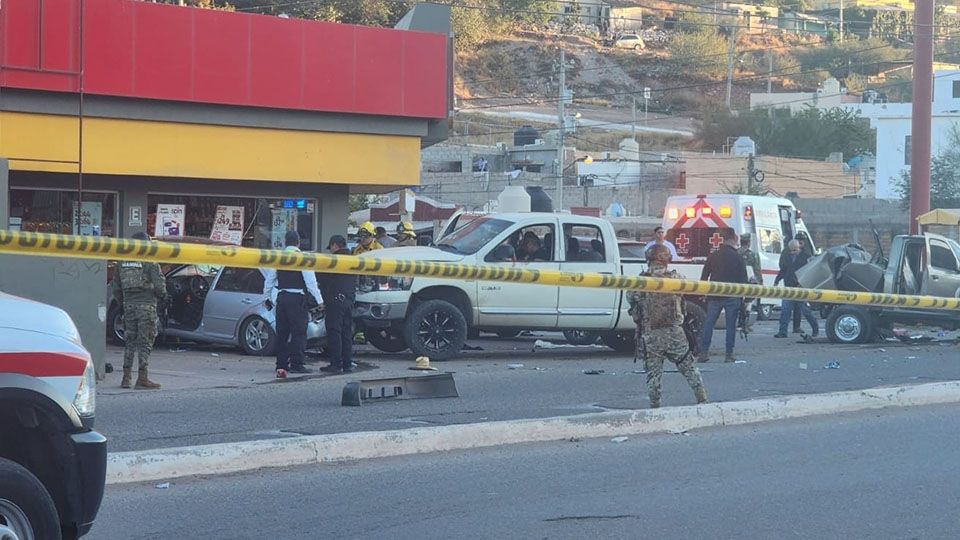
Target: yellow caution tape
(100, 247)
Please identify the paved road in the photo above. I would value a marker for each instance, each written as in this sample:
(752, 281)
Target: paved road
(551, 383)
(881, 474)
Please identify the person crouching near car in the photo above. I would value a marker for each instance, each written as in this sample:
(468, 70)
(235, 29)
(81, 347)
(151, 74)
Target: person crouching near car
(340, 291)
(661, 336)
(292, 288)
(139, 286)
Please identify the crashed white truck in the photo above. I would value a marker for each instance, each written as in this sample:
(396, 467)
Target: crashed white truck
(918, 265)
(433, 317)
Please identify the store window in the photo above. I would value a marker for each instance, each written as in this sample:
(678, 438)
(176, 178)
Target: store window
(53, 211)
(247, 221)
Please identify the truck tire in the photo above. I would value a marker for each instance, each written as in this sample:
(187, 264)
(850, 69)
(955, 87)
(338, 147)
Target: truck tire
(385, 340)
(435, 329)
(115, 326)
(849, 324)
(581, 337)
(621, 342)
(26, 509)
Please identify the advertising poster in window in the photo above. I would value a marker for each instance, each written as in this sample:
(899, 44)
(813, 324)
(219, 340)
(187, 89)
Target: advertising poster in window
(228, 225)
(284, 219)
(170, 220)
(90, 218)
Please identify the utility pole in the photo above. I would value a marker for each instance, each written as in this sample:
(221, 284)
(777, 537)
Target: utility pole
(923, 30)
(769, 71)
(561, 123)
(633, 126)
(730, 55)
(841, 21)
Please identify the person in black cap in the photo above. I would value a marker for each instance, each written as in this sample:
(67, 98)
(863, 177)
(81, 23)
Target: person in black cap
(340, 290)
(292, 288)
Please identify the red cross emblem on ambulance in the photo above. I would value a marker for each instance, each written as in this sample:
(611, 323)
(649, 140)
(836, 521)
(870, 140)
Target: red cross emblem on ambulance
(716, 241)
(682, 241)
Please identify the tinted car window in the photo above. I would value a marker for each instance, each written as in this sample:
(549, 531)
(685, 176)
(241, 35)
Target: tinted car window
(245, 280)
(941, 257)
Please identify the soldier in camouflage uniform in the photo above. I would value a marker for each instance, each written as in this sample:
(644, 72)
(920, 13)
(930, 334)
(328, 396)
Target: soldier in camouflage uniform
(660, 318)
(751, 260)
(138, 286)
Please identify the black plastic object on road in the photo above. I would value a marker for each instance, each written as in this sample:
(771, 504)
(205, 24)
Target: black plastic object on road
(420, 387)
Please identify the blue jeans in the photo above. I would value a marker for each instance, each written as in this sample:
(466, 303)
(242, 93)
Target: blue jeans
(731, 307)
(786, 313)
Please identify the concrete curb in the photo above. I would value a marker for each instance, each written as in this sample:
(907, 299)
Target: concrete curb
(224, 458)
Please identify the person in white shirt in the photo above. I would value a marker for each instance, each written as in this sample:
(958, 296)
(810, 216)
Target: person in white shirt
(661, 239)
(292, 289)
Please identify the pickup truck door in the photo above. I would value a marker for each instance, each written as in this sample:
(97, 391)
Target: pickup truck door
(942, 272)
(520, 305)
(586, 250)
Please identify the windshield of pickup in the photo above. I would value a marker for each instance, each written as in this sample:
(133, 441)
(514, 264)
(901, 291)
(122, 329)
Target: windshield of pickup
(468, 239)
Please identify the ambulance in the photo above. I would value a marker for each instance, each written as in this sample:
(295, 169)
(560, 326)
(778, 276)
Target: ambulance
(694, 224)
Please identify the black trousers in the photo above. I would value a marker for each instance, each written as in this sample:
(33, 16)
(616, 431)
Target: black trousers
(339, 322)
(291, 329)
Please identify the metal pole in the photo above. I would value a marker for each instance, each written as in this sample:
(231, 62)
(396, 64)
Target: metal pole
(922, 96)
(730, 54)
(81, 52)
(633, 126)
(560, 113)
(769, 71)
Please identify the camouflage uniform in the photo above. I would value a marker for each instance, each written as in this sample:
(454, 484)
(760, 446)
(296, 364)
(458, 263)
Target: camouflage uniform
(139, 285)
(661, 337)
(751, 260)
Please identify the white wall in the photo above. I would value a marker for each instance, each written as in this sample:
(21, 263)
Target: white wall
(891, 137)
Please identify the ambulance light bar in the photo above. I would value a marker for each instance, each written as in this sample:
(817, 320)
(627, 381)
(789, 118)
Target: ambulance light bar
(726, 211)
(673, 213)
(691, 212)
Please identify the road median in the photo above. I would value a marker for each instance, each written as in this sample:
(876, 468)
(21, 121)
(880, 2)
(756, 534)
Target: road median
(167, 463)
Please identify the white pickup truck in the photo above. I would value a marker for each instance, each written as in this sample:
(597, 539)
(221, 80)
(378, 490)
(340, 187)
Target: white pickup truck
(433, 317)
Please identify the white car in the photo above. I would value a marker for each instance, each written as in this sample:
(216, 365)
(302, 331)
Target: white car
(629, 41)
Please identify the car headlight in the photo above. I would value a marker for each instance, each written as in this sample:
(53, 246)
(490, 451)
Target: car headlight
(86, 399)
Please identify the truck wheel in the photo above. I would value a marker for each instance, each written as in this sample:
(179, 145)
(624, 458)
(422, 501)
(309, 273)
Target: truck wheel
(508, 333)
(257, 338)
(26, 509)
(115, 325)
(385, 340)
(621, 342)
(435, 329)
(581, 337)
(850, 325)
(764, 312)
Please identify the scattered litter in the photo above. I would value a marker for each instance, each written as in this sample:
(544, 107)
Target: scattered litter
(215, 355)
(573, 439)
(108, 368)
(739, 361)
(514, 366)
(223, 369)
(164, 485)
(832, 365)
(471, 348)
(639, 371)
(911, 358)
(941, 334)
(179, 350)
(882, 350)
(593, 372)
(619, 439)
(677, 431)
(541, 344)
(803, 365)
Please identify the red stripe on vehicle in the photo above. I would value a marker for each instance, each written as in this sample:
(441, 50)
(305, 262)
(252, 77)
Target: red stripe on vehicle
(43, 364)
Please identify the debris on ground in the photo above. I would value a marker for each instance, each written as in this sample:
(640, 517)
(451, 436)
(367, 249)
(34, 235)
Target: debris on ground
(573, 439)
(179, 350)
(215, 355)
(803, 365)
(619, 439)
(739, 361)
(541, 344)
(164, 485)
(108, 368)
(677, 431)
(514, 366)
(470, 348)
(832, 365)
(593, 372)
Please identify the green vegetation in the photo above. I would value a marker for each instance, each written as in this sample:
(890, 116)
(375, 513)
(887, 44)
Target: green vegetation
(944, 175)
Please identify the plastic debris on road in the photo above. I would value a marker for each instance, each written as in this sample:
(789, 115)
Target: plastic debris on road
(739, 361)
(677, 431)
(882, 350)
(593, 372)
(164, 485)
(514, 366)
(911, 358)
(832, 365)
(803, 365)
(541, 344)
(179, 350)
(619, 439)
(215, 355)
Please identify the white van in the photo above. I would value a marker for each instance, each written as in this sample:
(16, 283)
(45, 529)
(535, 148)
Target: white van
(694, 224)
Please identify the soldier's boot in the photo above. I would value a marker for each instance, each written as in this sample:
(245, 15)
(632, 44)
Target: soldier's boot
(144, 383)
(125, 382)
(701, 394)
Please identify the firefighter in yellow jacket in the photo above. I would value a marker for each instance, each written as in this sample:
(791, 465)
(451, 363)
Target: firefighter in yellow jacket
(367, 237)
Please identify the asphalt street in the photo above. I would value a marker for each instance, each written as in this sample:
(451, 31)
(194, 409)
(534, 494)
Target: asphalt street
(881, 474)
(550, 383)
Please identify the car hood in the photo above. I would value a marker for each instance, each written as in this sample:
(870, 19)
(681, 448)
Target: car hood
(415, 253)
(22, 314)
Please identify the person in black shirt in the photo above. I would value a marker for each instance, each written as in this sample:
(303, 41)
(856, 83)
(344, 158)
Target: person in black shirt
(792, 260)
(727, 266)
(339, 291)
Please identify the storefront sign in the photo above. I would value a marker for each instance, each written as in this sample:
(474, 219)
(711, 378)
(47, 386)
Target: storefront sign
(284, 219)
(170, 220)
(228, 225)
(89, 218)
(136, 216)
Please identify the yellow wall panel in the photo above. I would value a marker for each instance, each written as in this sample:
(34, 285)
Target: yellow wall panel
(129, 147)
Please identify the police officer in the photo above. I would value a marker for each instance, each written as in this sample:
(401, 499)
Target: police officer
(367, 236)
(406, 236)
(659, 318)
(340, 291)
(291, 288)
(139, 286)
